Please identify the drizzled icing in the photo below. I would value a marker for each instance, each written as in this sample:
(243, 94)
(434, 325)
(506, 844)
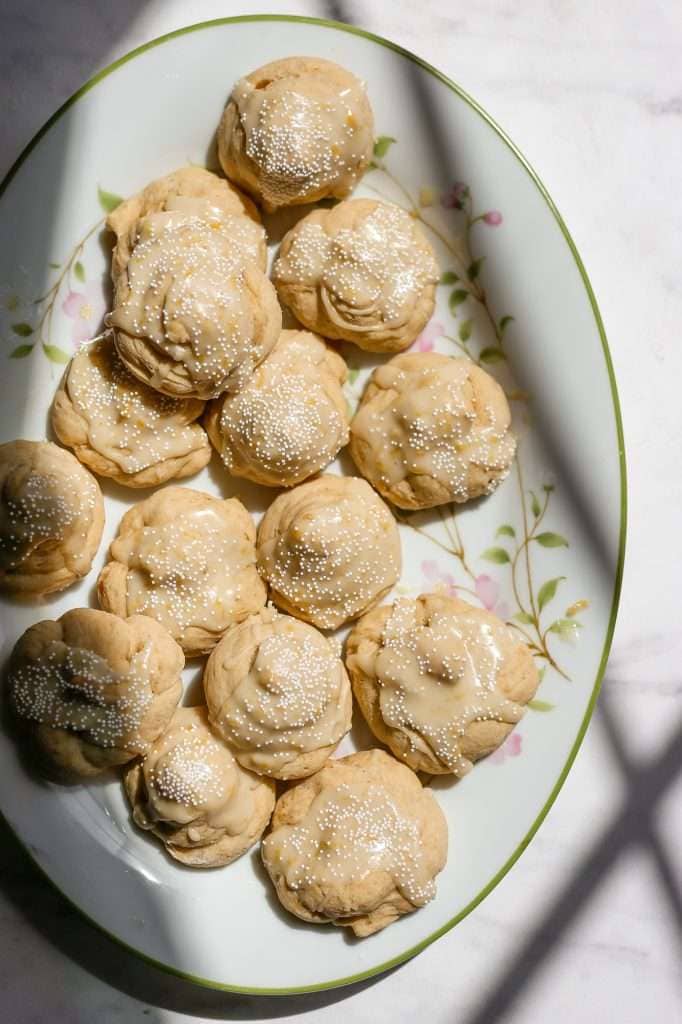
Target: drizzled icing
(438, 671)
(290, 420)
(350, 832)
(127, 422)
(192, 779)
(329, 548)
(73, 688)
(190, 562)
(50, 515)
(368, 261)
(432, 416)
(276, 689)
(192, 291)
(305, 133)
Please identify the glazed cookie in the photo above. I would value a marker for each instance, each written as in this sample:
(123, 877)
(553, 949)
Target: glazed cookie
(192, 795)
(431, 429)
(51, 518)
(278, 693)
(193, 314)
(93, 690)
(440, 682)
(188, 560)
(295, 131)
(357, 845)
(290, 420)
(123, 429)
(189, 191)
(329, 550)
(361, 271)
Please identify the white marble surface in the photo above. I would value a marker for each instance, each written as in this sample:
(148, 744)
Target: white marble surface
(587, 927)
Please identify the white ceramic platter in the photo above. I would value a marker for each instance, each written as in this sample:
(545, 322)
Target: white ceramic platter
(545, 551)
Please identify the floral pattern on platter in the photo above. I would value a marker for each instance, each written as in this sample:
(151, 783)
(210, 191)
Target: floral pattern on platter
(513, 545)
(78, 299)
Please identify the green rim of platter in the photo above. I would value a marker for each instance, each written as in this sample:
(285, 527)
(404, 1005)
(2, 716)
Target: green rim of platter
(340, 27)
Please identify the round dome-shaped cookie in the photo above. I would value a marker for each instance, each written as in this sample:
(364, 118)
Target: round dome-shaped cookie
(431, 429)
(189, 191)
(121, 428)
(188, 560)
(192, 795)
(295, 131)
(51, 518)
(193, 314)
(440, 682)
(278, 693)
(92, 690)
(362, 271)
(290, 420)
(329, 550)
(357, 845)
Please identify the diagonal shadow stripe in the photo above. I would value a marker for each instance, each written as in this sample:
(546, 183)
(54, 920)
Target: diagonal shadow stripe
(631, 825)
(650, 840)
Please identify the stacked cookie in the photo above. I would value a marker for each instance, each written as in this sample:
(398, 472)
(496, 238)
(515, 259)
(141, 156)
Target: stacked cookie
(194, 357)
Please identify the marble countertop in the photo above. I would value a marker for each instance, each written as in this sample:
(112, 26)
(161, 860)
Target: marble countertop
(588, 925)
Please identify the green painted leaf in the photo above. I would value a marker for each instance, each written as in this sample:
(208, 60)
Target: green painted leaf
(504, 323)
(551, 540)
(108, 200)
(457, 298)
(448, 277)
(506, 531)
(547, 591)
(474, 268)
(541, 674)
(21, 351)
(565, 629)
(54, 266)
(548, 488)
(540, 705)
(353, 375)
(79, 271)
(382, 145)
(492, 355)
(524, 617)
(23, 330)
(372, 165)
(57, 355)
(535, 506)
(465, 331)
(498, 555)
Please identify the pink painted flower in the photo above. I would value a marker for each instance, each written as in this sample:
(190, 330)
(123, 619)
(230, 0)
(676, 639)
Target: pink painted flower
(424, 343)
(86, 310)
(436, 579)
(454, 198)
(511, 747)
(488, 593)
(493, 218)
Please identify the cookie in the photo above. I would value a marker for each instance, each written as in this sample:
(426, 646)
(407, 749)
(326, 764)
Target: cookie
(120, 428)
(440, 682)
(278, 693)
(51, 518)
(193, 313)
(295, 131)
(189, 191)
(362, 271)
(357, 845)
(188, 560)
(431, 429)
(92, 690)
(290, 420)
(190, 793)
(329, 549)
